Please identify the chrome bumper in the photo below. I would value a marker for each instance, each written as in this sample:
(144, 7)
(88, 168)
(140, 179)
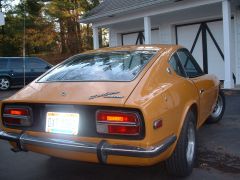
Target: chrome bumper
(102, 149)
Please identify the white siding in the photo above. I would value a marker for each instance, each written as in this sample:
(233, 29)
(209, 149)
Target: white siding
(215, 61)
(155, 37)
(114, 38)
(130, 39)
(165, 34)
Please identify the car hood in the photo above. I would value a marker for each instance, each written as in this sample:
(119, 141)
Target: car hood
(91, 93)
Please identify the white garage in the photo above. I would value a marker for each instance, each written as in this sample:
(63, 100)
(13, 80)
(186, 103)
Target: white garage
(209, 29)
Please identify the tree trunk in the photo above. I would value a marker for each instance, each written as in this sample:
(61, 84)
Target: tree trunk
(79, 33)
(72, 36)
(64, 48)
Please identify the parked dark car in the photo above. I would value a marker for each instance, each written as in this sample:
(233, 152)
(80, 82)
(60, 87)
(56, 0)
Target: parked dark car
(12, 70)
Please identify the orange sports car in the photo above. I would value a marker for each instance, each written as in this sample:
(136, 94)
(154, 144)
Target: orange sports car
(130, 105)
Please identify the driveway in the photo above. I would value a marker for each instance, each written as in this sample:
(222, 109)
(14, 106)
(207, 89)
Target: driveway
(6, 94)
(218, 156)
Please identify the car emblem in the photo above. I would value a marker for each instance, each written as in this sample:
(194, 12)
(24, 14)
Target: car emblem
(106, 95)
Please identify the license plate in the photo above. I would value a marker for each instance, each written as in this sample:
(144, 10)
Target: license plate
(63, 123)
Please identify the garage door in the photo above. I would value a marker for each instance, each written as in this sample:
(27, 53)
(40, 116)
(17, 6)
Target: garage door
(205, 41)
(134, 38)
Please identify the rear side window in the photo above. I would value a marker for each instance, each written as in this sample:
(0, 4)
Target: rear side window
(34, 63)
(189, 64)
(105, 66)
(175, 64)
(16, 63)
(3, 62)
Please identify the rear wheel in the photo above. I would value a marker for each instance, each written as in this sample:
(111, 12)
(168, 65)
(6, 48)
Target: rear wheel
(4, 83)
(218, 110)
(183, 158)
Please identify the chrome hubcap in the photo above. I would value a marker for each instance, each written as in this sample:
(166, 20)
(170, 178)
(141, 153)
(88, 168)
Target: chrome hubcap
(191, 143)
(4, 83)
(218, 107)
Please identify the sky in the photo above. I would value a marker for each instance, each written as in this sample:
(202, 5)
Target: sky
(16, 2)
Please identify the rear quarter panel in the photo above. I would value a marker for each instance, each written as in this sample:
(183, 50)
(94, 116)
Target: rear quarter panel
(163, 96)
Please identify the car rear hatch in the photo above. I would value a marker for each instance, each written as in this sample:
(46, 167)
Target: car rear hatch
(90, 93)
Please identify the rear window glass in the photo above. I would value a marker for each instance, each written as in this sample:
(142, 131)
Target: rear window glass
(108, 66)
(34, 63)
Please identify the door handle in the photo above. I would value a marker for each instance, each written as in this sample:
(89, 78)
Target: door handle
(202, 91)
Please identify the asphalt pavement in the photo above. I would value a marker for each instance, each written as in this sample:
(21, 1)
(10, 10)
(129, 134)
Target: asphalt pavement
(218, 157)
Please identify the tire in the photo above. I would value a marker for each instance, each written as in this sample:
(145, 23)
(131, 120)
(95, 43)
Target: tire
(219, 109)
(182, 160)
(4, 83)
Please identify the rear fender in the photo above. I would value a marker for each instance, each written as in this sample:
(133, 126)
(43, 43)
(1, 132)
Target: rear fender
(187, 108)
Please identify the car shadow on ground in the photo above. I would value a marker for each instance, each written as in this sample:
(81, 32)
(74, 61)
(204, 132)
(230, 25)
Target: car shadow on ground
(57, 168)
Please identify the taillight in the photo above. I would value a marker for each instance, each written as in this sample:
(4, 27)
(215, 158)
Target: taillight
(119, 123)
(17, 116)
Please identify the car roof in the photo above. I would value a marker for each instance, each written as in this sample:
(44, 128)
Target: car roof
(154, 47)
(26, 57)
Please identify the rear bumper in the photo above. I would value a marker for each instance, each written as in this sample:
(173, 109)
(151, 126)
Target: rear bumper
(102, 149)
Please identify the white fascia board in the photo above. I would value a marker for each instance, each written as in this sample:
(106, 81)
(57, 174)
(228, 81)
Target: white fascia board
(181, 5)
